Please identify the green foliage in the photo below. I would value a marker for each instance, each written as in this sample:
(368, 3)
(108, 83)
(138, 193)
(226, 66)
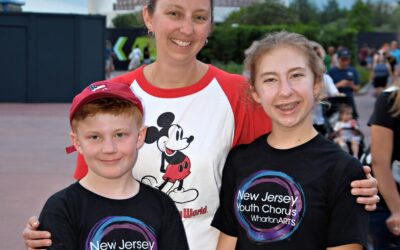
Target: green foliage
(231, 67)
(360, 16)
(363, 75)
(127, 20)
(266, 13)
(332, 12)
(305, 11)
(227, 43)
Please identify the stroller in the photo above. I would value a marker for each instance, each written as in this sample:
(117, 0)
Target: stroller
(331, 114)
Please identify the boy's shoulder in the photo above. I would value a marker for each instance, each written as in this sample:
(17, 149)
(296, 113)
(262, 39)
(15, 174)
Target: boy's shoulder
(154, 195)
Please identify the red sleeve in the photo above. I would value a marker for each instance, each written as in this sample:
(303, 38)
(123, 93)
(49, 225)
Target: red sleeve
(81, 168)
(250, 119)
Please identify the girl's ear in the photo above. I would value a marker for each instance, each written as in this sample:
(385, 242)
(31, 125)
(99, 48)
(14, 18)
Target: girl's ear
(75, 141)
(254, 95)
(141, 137)
(317, 89)
(147, 18)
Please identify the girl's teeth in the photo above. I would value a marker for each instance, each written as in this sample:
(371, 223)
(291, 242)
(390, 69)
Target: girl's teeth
(287, 106)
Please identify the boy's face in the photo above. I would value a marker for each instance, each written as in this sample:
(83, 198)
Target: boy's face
(109, 143)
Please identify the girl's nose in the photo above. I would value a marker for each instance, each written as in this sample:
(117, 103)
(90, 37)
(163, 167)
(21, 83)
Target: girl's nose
(285, 88)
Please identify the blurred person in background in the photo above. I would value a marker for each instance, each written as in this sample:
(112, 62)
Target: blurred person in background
(385, 152)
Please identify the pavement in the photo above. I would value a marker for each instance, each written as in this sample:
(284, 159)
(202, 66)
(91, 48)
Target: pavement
(33, 163)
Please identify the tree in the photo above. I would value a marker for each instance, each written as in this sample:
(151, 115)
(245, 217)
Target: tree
(331, 12)
(305, 11)
(127, 20)
(359, 17)
(394, 22)
(266, 13)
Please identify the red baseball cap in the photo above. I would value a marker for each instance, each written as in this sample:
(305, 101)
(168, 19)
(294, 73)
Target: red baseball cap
(102, 89)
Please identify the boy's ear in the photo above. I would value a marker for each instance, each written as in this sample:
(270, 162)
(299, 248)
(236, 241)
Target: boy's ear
(147, 18)
(75, 141)
(141, 137)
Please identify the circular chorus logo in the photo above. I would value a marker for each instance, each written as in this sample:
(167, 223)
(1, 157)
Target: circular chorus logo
(269, 206)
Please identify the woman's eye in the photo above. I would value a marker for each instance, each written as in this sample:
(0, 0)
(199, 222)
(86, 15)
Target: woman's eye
(201, 18)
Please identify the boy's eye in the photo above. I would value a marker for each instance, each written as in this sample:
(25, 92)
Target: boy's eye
(120, 135)
(173, 13)
(93, 137)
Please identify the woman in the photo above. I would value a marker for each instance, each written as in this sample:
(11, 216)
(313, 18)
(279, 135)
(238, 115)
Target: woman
(195, 114)
(385, 152)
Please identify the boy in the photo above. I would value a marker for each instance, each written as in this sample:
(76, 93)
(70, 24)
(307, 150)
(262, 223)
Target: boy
(108, 208)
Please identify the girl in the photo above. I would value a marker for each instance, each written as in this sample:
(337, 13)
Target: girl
(289, 189)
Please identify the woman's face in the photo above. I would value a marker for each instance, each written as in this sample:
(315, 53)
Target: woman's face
(285, 87)
(180, 28)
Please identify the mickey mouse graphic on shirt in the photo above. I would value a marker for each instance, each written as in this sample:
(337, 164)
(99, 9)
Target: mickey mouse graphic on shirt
(174, 163)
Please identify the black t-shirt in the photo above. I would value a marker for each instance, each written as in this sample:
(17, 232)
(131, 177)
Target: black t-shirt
(296, 198)
(80, 219)
(382, 117)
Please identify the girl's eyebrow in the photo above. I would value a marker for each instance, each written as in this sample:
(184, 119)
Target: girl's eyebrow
(274, 73)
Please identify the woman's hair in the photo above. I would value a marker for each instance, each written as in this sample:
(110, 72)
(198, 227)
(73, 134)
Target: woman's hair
(395, 110)
(283, 39)
(151, 6)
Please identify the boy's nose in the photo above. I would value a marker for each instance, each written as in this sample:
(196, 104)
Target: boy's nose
(109, 146)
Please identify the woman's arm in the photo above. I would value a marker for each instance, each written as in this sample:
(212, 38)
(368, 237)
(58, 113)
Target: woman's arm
(381, 151)
(346, 247)
(226, 242)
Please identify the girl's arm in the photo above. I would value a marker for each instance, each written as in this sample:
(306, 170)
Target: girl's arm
(346, 247)
(226, 242)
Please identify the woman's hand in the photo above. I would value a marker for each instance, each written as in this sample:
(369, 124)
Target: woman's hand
(367, 190)
(34, 239)
(393, 223)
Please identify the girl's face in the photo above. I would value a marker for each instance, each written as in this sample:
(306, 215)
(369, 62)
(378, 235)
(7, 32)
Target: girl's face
(285, 87)
(180, 28)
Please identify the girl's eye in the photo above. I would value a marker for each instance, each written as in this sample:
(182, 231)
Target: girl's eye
(269, 80)
(297, 75)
